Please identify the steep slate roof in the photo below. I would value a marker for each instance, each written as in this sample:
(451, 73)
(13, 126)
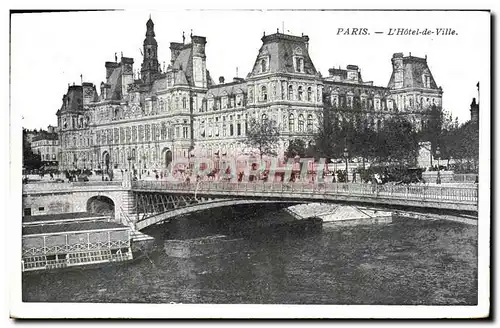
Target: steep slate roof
(115, 80)
(159, 84)
(184, 62)
(75, 97)
(413, 69)
(281, 49)
(230, 88)
(180, 78)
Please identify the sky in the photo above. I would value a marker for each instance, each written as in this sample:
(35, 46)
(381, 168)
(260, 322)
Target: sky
(51, 50)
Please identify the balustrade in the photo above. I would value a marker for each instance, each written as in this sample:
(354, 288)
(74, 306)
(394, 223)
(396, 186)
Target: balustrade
(418, 193)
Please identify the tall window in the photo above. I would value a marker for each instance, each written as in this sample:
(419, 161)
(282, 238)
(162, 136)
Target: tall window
(290, 92)
(263, 93)
(300, 93)
(309, 94)
(263, 67)
(301, 123)
(238, 129)
(309, 123)
(185, 132)
(163, 132)
(291, 122)
(184, 103)
(299, 64)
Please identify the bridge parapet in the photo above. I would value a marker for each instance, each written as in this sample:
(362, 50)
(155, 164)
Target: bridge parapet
(72, 186)
(460, 198)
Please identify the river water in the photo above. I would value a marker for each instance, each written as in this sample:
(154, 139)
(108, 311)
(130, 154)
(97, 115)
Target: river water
(407, 261)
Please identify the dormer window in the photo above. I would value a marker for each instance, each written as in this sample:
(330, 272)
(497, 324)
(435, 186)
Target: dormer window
(298, 60)
(299, 65)
(263, 67)
(426, 80)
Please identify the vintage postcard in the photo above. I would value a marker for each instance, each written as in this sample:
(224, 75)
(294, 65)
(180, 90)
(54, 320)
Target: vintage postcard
(250, 164)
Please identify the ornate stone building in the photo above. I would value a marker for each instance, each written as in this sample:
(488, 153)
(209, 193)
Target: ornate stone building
(145, 119)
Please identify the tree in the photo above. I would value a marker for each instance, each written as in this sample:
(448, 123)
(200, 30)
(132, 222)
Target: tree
(432, 131)
(296, 147)
(397, 142)
(31, 160)
(462, 144)
(263, 136)
(330, 139)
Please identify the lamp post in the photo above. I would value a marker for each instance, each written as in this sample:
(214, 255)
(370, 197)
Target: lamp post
(438, 178)
(346, 155)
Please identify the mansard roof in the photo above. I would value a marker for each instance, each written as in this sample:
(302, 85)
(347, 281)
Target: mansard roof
(72, 100)
(281, 49)
(115, 81)
(231, 88)
(184, 62)
(414, 68)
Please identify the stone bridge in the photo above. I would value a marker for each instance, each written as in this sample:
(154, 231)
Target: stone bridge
(52, 198)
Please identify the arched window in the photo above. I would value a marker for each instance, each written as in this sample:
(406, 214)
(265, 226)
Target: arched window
(290, 92)
(263, 93)
(184, 102)
(301, 123)
(264, 118)
(291, 122)
(309, 94)
(300, 93)
(176, 102)
(263, 67)
(309, 123)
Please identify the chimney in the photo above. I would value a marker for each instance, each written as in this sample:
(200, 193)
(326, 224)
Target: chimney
(221, 80)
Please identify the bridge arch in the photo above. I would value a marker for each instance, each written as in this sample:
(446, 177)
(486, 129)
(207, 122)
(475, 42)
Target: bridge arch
(101, 204)
(206, 205)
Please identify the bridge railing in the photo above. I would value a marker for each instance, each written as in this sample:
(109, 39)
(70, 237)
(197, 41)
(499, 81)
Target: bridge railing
(48, 186)
(410, 192)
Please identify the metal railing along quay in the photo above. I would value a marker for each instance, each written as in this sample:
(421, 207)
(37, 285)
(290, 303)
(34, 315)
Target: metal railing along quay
(434, 193)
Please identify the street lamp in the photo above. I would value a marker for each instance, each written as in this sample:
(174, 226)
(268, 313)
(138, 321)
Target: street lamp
(438, 178)
(346, 156)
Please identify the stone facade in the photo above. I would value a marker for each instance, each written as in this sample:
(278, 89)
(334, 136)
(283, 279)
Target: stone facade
(144, 119)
